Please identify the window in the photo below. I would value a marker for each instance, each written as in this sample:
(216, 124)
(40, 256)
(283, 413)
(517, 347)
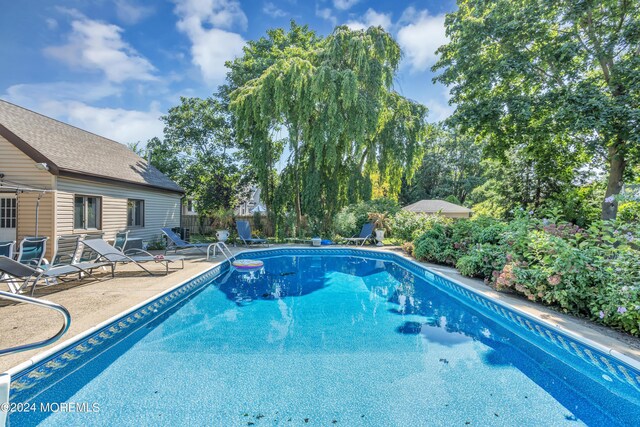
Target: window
(87, 212)
(8, 212)
(135, 213)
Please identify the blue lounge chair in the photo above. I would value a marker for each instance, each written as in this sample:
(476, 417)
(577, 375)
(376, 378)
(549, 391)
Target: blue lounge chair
(175, 242)
(244, 232)
(32, 250)
(6, 248)
(365, 234)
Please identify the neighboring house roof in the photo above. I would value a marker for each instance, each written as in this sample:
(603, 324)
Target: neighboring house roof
(70, 151)
(434, 206)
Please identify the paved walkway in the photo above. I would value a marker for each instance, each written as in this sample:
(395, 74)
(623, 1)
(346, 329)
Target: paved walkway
(91, 303)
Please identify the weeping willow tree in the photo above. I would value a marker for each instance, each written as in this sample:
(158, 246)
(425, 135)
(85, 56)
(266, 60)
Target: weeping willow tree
(346, 130)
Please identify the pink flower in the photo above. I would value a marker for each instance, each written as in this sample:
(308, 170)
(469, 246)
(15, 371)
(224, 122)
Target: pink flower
(554, 280)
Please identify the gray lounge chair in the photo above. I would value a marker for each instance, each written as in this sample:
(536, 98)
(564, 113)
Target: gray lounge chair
(66, 250)
(114, 256)
(244, 232)
(176, 243)
(120, 242)
(365, 234)
(18, 276)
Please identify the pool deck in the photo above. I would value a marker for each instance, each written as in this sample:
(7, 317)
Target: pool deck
(93, 302)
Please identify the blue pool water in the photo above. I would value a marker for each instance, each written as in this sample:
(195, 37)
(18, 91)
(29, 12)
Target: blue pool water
(331, 340)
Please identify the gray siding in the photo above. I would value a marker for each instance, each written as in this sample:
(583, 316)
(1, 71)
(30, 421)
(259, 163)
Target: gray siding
(162, 208)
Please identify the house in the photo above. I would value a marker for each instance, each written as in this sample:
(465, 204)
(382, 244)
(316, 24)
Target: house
(251, 203)
(56, 179)
(441, 207)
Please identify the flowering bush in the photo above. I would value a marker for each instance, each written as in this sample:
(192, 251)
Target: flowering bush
(592, 272)
(408, 226)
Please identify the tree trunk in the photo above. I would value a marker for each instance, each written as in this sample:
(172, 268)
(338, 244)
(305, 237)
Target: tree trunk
(617, 165)
(296, 177)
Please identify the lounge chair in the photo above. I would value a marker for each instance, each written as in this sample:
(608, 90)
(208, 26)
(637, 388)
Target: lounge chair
(32, 250)
(365, 234)
(120, 242)
(18, 276)
(244, 232)
(87, 254)
(66, 250)
(176, 243)
(114, 256)
(7, 248)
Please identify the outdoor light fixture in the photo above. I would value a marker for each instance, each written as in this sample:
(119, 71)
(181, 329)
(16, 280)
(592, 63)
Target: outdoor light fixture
(42, 166)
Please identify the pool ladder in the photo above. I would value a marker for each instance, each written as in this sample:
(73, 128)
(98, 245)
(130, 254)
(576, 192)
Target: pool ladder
(223, 248)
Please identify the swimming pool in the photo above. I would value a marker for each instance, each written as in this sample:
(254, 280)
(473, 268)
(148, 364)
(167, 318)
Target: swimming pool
(327, 337)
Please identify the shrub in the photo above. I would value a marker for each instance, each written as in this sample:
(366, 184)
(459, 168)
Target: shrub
(482, 261)
(345, 223)
(408, 226)
(408, 247)
(434, 246)
(592, 272)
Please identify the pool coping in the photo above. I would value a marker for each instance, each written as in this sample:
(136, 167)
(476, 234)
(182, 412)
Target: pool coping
(82, 335)
(491, 303)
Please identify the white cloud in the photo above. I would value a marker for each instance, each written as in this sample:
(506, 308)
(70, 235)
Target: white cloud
(131, 13)
(70, 103)
(52, 24)
(225, 14)
(439, 110)
(371, 18)
(422, 35)
(98, 46)
(205, 23)
(345, 4)
(41, 93)
(121, 125)
(326, 14)
(273, 11)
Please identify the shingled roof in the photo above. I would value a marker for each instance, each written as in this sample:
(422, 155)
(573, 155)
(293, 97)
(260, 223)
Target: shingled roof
(434, 206)
(70, 151)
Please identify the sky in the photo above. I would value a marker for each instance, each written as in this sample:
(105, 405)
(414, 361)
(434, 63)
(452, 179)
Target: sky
(114, 67)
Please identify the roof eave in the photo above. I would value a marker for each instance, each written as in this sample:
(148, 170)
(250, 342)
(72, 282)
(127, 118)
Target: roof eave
(101, 178)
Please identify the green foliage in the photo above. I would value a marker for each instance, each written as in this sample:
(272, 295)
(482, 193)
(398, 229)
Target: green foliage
(556, 82)
(481, 261)
(195, 153)
(257, 222)
(350, 219)
(408, 226)
(450, 168)
(348, 131)
(156, 245)
(587, 271)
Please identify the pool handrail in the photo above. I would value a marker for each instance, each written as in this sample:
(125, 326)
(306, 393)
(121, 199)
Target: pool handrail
(41, 303)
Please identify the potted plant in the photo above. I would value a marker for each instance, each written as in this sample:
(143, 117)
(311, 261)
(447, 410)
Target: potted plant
(223, 219)
(381, 223)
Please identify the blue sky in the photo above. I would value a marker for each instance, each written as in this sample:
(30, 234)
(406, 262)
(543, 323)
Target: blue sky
(114, 67)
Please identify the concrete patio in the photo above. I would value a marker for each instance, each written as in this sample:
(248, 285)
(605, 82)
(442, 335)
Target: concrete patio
(92, 302)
